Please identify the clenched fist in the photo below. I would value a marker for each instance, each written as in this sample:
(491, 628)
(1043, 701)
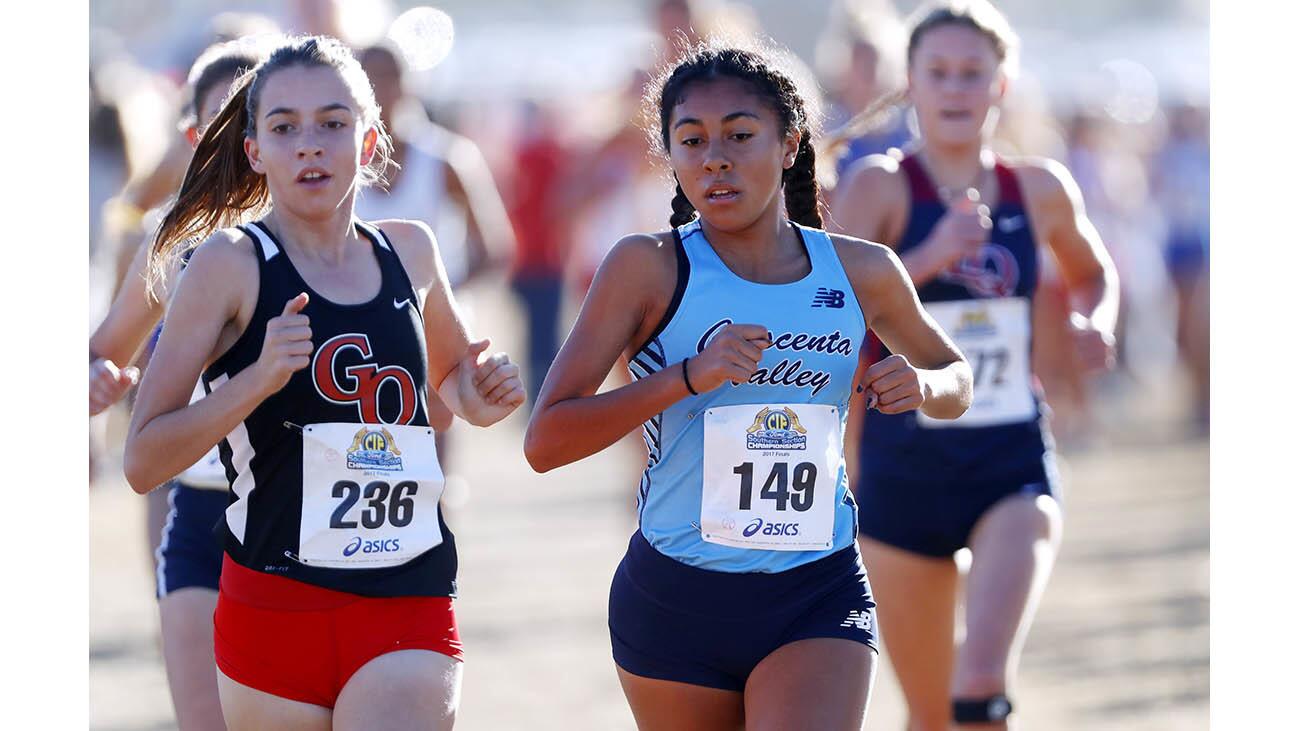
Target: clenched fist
(893, 386)
(287, 347)
(731, 355)
(108, 383)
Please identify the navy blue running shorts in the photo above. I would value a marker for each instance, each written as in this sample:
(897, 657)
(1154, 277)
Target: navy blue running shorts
(190, 552)
(671, 621)
(936, 518)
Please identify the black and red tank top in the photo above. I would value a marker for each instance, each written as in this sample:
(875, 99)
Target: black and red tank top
(369, 367)
(984, 302)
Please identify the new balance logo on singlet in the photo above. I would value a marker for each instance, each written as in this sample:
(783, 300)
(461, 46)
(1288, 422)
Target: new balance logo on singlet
(858, 618)
(832, 298)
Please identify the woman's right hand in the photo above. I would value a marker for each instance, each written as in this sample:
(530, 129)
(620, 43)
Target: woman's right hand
(731, 355)
(287, 347)
(962, 230)
(108, 383)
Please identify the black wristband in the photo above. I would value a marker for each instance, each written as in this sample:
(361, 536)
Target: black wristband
(687, 379)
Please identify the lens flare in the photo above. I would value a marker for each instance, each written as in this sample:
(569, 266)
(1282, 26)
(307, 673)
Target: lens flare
(424, 36)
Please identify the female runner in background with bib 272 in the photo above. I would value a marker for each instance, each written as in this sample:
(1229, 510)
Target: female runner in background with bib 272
(742, 600)
(987, 480)
(318, 337)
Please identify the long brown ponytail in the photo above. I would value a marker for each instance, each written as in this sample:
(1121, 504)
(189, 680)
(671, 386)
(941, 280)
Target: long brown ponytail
(219, 188)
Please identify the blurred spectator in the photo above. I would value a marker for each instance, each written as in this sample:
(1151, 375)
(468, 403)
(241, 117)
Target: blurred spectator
(107, 156)
(543, 231)
(1181, 178)
(680, 23)
(860, 59)
(440, 178)
(1106, 159)
(358, 23)
(617, 188)
(156, 173)
(674, 20)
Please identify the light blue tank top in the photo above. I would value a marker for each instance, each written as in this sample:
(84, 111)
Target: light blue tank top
(817, 328)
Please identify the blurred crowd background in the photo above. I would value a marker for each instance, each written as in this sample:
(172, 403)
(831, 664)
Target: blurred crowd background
(518, 129)
(534, 159)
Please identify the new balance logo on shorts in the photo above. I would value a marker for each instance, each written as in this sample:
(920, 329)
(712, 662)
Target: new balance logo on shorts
(858, 618)
(832, 298)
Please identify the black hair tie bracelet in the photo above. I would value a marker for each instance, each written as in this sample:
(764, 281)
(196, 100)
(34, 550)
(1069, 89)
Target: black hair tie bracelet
(687, 379)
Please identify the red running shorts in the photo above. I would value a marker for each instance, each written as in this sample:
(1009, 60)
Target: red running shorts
(304, 642)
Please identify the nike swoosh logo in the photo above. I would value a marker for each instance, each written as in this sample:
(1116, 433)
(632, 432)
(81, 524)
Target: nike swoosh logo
(1014, 223)
(399, 304)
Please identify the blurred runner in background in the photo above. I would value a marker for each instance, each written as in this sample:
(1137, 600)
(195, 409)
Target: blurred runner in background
(968, 225)
(188, 555)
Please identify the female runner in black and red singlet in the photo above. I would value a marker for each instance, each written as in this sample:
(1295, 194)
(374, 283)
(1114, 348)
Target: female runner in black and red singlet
(317, 337)
(968, 226)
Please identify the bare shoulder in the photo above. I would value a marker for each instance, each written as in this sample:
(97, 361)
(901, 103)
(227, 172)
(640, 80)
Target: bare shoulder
(651, 245)
(228, 252)
(641, 256)
(1047, 184)
(871, 198)
(633, 286)
(867, 263)
(223, 269)
(415, 245)
(875, 175)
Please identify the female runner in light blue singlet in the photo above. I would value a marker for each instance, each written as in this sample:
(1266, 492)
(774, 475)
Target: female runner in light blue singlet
(742, 599)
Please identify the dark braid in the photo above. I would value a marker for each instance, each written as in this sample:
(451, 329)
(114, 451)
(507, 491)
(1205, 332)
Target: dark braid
(706, 62)
(683, 211)
(802, 194)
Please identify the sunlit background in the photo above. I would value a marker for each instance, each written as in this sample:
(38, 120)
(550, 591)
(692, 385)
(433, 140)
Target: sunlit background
(540, 99)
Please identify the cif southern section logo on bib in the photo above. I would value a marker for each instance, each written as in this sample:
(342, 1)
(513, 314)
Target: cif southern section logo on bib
(776, 430)
(362, 382)
(975, 322)
(374, 449)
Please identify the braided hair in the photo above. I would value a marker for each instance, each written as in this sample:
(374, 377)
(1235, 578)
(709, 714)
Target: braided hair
(706, 62)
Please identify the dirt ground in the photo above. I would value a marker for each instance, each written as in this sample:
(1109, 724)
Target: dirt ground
(1121, 640)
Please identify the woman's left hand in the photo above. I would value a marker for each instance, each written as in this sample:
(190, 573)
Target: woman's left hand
(489, 389)
(893, 385)
(1094, 346)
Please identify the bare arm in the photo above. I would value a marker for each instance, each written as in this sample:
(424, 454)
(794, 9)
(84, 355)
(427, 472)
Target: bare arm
(213, 301)
(147, 191)
(627, 298)
(131, 316)
(868, 201)
(926, 370)
(469, 182)
(872, 203)
(440, 417)
(119, 339)
(1086, 266)
(569, 421)
(480, 390)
